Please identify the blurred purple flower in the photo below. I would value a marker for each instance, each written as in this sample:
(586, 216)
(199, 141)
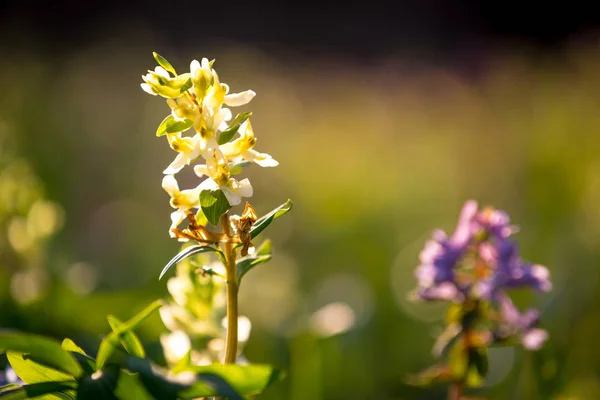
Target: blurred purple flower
(435, 274)
(495, 223)
(509, 270)
(521, 325)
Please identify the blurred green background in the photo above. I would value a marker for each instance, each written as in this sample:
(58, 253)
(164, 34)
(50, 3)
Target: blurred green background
(375, 153)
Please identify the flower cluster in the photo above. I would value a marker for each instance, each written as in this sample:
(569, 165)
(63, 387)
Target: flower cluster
(474, 268)
(480, 261)
(197, 100)
(195, 315)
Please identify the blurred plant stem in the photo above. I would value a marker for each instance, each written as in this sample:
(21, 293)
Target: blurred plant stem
(455, 391)
(232, 293)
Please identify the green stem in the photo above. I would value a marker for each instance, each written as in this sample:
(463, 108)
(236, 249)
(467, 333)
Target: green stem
(231, 340)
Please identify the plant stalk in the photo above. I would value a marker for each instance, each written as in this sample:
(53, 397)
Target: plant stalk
(455, 391)
(231, 340)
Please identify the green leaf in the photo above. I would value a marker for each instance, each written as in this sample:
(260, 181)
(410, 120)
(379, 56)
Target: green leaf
(188, 252)
(246, 264)
(244, 379)
(110, 343)
(264, 249)
(233, 127)
(171, 125)
(235, 168)
(155, 379)
(129, 386)
(164, 63)
(478, 367)
(266, 220)
(33, 372)
(186, 85)
(87, 363)
(129, 340)
(216, 383)
(36, 390)
(107, 347)
(214, 380)
(43, 349)
(213, 204)
(69, 345)
(458, 361)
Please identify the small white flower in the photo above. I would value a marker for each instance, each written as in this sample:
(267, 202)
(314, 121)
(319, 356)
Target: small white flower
(189, 148)
(243, 147)
(181, 200)
(159, 82)
(233, 189)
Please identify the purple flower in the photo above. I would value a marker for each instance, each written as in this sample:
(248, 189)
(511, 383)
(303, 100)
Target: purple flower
(521, 325)
(435, 274)
(509, 270)
(495, 223)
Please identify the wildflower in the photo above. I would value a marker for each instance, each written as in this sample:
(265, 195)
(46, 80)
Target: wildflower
(510, 271)
(180, 200)
(219, 177)
(522, 326)
(441, 255)
(242, 147)
(189, 148)
(159, 82)
(473, 268)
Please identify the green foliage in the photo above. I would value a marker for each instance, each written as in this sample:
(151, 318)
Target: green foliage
(129, 339)
(213, 204)
(188, 252)
(266, 220)
(129, 377)
(171, 125)
(164, 63)
(41, 391)
(43, 349)
(233, 127)
(110, 343)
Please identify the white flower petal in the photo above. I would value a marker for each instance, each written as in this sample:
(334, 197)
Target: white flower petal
(169, 183)
(232, 197)
(239, 99)
(262, 159)
(148, 89)
(194, 67)
(208, 184)
(201, 170)
(177, 218)
(245, 188)
(177, 165)
(162, 72)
